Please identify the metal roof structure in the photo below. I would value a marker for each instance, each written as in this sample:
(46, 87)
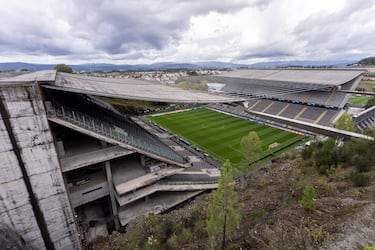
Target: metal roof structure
(324, 77)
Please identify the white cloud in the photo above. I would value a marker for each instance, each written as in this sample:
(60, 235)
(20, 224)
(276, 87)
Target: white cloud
(115, 31)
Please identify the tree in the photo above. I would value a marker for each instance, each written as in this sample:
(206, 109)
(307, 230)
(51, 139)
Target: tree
(346, 123)
(224, 212)
(251, 148)
(308, 198)
(63, 68)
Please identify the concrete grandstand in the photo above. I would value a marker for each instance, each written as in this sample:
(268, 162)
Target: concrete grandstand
(73, 167)
(311, 95)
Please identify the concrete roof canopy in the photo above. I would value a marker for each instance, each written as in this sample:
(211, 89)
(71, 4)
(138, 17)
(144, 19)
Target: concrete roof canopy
(133, 89)
(37, 76)
(329, 77)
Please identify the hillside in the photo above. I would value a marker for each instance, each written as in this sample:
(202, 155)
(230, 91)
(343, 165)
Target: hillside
(367, 61)
(342, 215)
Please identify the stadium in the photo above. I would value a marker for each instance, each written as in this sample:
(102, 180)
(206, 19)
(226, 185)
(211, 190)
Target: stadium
(84, 169)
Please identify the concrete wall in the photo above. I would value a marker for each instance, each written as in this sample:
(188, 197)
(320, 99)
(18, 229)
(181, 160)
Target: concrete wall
(29, 163)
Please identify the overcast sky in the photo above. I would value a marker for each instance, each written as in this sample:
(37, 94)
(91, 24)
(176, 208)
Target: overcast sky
(147, 31)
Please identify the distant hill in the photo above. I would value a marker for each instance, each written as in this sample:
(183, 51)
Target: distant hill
(22, 65)
(367, 61)
(124, 67)
(172, 65)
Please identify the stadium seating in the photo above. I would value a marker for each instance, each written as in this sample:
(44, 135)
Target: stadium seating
(328, 99)
(365, 119)
(123, 131)
(318, 115)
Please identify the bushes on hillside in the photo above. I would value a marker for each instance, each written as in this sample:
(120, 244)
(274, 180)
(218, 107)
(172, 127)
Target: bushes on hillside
(360, 179)
(326, 155)
(359, 153)
(307, 200)
(323, 155)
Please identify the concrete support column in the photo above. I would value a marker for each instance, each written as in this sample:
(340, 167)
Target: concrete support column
(112, 194)
(143, 161)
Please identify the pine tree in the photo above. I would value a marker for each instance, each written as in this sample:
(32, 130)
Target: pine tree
(224, 212)
(251, 147)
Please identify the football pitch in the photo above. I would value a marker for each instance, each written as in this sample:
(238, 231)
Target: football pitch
(220, 134)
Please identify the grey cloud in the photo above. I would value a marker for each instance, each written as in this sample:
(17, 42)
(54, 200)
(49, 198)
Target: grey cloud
(120, 26)
(265, 54)
(347, 33)
(111, 27)
(275, 50)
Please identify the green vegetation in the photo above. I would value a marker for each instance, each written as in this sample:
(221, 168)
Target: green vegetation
(63, 68)
(360, 179)
(201, 85)
(346, 123)
(224, 212)
(370, 103)
(308, 198)
(257, 213)
(367, 61)
(164, 231)
(359, 153)
(251, 148)
(220, 135)
(360, 100)
(325, 156)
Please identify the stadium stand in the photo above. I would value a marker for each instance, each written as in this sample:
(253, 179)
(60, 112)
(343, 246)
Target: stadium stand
(365, 119)
(303, 94)
(111, 124)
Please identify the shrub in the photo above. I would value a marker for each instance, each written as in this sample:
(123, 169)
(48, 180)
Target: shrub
(63, 68)
(360, 179)
(324, 169)
(172, 242)
(324, 187)
(307, 153)
(308, 198)
(258, 213)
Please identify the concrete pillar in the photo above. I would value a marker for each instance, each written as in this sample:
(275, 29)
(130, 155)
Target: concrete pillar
(143, 161)
(60, 148)
(112, 194)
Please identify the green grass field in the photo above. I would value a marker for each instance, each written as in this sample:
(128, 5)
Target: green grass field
(219, 134)
(359, 100)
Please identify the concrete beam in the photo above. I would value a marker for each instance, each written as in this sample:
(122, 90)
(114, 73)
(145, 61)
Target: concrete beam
(94, 157)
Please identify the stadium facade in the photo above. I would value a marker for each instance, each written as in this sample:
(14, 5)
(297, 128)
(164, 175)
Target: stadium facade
(74, 167)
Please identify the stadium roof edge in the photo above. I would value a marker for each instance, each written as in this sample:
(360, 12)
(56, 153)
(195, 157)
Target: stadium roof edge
(127, 88)
(323, 77)
(134, 89)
